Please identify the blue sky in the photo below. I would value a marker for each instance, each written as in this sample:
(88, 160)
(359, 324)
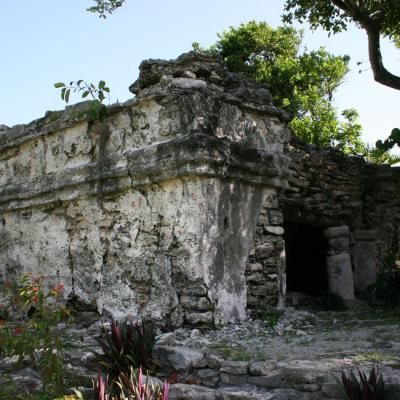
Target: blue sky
(46, 41)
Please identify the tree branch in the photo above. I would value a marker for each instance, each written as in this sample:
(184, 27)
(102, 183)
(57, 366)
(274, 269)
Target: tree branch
(373, 30)
(381, 74)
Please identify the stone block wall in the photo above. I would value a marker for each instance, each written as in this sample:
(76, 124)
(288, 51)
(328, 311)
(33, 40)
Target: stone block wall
(265, 269)
(151, 212)
(355, 204)
(326, 187)
(328, 190)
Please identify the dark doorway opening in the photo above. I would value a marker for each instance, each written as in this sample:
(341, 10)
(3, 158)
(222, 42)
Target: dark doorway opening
(306, 250)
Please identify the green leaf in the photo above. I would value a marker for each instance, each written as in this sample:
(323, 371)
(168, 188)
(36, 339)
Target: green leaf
(102, 84)
(63, 90)
(67, 93)
(85, 94)
(59, 85)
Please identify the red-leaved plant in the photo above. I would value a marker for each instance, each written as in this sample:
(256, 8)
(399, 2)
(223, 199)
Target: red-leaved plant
(126, 345)
(363, 388)
(128, 386)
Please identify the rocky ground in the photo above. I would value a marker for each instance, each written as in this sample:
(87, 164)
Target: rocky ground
(294, 355)
(357, 335)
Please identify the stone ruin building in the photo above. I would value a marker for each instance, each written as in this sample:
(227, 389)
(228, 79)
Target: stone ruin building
(190, 204)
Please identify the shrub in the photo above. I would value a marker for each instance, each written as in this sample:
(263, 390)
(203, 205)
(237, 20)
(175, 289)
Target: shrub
(270, 315)
(371, 388)
(333, 302)
(126, 345)
(388, 283)
(34, 334)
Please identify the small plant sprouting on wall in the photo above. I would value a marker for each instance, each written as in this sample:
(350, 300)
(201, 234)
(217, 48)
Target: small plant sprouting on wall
(98, 93)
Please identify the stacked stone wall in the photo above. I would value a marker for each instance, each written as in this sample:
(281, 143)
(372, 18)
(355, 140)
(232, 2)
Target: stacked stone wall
(329, 189)
(326, 187)
(265, 269)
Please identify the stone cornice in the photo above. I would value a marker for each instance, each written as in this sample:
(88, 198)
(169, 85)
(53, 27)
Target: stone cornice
(191, 155)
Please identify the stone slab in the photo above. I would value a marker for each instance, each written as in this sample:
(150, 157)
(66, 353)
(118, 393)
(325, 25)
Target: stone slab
(340, 276)
(337, 231)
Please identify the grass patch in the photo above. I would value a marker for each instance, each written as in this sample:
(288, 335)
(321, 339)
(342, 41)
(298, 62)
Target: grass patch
(270, 315)
(231, 353)
(374, 356)
(10, 394)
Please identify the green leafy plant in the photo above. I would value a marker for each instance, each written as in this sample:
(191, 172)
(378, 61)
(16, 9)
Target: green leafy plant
(333, 302)
(126, 345)
(98, 93)
(270, 315)
(387, 285)
(380, 153)
(375, 155)
(104, 7)
(392, 140)
(34, 333)
(361, 387)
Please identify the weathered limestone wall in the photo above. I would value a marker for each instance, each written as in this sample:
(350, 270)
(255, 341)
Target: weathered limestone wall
(152, 211)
